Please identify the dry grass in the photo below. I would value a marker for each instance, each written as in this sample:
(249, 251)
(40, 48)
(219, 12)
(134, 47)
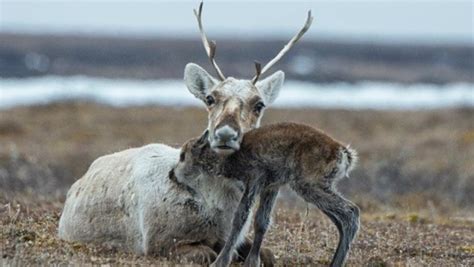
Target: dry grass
(297, 237)
(414, 184)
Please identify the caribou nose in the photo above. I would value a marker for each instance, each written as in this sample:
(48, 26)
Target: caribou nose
(226, 133)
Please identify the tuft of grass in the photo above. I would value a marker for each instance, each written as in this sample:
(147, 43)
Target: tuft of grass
(468, 137)
(376, 261)
(416, 218)
(468, 249)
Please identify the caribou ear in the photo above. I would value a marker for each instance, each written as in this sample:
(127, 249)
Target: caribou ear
(270, 86)
(198, 81)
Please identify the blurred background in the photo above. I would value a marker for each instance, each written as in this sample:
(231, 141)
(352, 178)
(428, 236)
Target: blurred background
(80, 79)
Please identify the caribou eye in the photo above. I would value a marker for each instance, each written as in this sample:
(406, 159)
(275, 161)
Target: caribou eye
(259, 107)
(182, 156)
(210, 100)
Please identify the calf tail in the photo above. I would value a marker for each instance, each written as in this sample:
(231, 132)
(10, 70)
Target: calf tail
(348, 159)
(352, 158)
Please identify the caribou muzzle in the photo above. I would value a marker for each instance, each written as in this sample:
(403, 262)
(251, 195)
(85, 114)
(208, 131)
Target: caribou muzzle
(226, 140)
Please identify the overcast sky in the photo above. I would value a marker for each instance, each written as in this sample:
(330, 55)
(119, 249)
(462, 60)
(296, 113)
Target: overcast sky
(436, 21)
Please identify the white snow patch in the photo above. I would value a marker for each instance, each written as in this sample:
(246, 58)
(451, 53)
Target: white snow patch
(295, 94)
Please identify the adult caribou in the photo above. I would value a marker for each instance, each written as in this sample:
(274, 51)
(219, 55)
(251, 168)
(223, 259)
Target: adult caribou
(131, 199)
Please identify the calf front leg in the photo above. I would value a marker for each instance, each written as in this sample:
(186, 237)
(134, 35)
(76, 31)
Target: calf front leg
(262, 221)
(240, 217)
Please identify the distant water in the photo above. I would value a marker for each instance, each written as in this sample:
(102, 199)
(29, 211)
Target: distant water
(295, 94)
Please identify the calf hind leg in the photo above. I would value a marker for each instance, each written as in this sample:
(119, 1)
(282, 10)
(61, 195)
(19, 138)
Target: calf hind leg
(342, 212)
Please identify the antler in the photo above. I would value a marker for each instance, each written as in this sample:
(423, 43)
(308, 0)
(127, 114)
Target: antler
(285, 49)
(210, 46)
(258, 70)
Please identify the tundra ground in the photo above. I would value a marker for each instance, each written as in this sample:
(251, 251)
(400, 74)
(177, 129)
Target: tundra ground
(414, 183)
(297, 237)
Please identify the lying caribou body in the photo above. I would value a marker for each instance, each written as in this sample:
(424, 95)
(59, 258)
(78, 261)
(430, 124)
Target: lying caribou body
(129, 199)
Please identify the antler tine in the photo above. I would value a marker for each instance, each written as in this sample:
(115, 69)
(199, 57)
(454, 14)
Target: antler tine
(287, 47)
(258, 70)
(210, 47)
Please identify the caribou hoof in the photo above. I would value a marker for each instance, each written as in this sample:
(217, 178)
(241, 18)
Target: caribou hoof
(267, 257)
(198, 254)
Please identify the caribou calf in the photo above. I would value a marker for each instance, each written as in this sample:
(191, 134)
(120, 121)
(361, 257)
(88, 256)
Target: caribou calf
(306, 159)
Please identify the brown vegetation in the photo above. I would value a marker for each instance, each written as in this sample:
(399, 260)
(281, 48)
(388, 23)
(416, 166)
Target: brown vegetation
(414, 183)
(28, 237)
